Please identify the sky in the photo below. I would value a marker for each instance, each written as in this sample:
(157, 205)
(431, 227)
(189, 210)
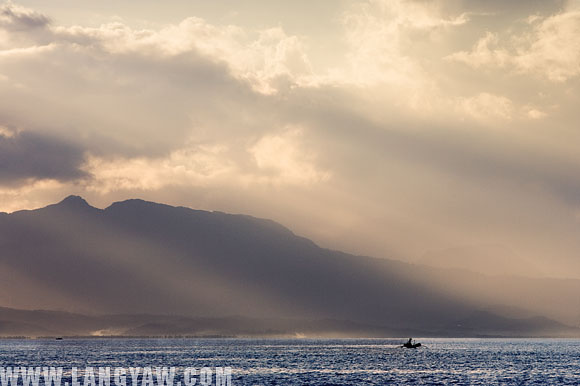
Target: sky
(391, 128)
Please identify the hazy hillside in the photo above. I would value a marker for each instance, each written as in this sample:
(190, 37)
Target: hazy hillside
(137, 257)
(39, 323)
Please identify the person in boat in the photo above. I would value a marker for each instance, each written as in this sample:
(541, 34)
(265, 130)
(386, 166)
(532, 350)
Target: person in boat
(410, 344)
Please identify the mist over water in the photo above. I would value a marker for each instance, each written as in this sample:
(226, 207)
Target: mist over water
(319, 362)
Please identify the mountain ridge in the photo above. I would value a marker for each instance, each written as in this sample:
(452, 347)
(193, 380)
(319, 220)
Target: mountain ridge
(137, 257)
(46, 323)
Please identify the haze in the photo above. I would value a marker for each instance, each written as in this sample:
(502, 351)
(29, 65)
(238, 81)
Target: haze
(442, 132)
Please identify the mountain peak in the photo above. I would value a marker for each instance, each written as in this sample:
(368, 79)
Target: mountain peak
(74, 202)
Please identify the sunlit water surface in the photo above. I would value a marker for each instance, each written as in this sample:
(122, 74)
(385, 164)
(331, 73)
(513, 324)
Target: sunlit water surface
(320, 362)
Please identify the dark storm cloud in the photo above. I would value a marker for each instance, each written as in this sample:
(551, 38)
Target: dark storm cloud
(28, 155)
(19, 19)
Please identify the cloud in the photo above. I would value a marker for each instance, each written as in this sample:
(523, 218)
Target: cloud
(536, 114)
(21, 27)
(190, 166)
(125, 87)
(283, 159)
(548, 47)
(15, 18)
(554, 49)
(487, 106)
(279, 159)
(484, 53)
(29, 156)
(379, 34)
(263, 57)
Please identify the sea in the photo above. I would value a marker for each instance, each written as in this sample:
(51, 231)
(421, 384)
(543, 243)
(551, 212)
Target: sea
(293, 361)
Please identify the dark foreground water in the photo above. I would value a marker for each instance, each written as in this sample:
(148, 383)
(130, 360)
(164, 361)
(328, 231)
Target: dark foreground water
(315, 362)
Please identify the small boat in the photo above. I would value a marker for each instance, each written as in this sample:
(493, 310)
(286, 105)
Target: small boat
(410, 344)
(59, 338)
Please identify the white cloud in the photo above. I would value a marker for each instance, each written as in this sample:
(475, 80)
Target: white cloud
(261, 57)
(283, 159)
(377, 32)
(533, 113)
(549, 47)
(190, 166)
(33, 195)
(485, 53)
(485, 106)
(554, 50)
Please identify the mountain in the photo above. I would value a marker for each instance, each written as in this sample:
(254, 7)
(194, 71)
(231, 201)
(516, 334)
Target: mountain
(142, 258)
(40, 323)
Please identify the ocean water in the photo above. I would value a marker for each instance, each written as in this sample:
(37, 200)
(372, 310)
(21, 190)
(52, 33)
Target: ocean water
(315, 361)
